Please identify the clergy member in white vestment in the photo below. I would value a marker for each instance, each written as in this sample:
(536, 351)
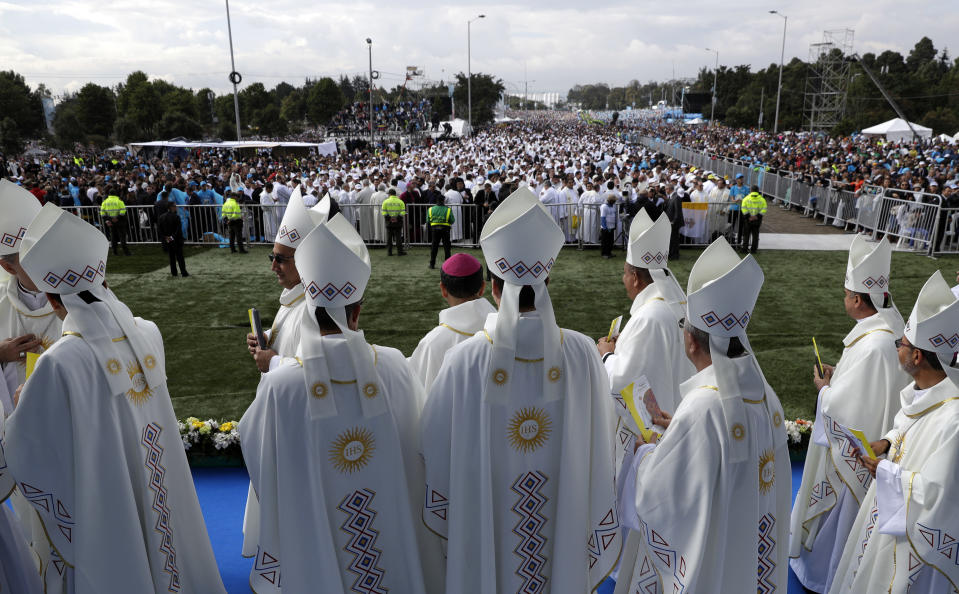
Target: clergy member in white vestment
(27, 320)
(906, 536)
(283, 338)
(862, 393)
(379, 222)
(462, 286)
(330, 443)
(709, 504)
(651, 343)
(27, 324)
(18, 572)
(93, 443)
(365, 214)
(517, 432)
(590, 202)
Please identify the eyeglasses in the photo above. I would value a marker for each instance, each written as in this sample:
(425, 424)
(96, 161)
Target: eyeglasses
(682, 323)
(899, 344)
(280, 259)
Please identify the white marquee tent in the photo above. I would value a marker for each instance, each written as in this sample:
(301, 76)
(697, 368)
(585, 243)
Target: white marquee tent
(897, 129)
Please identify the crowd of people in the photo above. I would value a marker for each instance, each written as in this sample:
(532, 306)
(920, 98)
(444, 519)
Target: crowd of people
(400, 116)
(506, 454)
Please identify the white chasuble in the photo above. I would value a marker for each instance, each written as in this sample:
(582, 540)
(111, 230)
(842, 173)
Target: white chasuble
(105, 470)
(863, 394)
(700, 523)
(16, 319)
(650, 344)
(284, 338)
(338, 495)
(18, 572)
(552, 525)
(923, 560)
(457, 323)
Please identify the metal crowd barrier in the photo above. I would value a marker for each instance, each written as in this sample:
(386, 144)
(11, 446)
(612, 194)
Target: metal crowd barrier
(916, 220)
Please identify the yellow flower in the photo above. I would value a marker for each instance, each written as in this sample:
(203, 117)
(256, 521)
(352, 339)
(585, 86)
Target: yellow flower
(192, 421)
(197, 424)
(227, 427)
(204, 429)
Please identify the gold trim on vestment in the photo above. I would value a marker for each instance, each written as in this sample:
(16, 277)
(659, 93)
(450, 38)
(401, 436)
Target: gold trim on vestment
(120, 339)
(455, 330)
(931, 408)
(71, 333)
(909, 538)
(760, 401)
(708, 387)
(23, 313)
(342, 382)
(863, 335)
(522, 360)
(290, 304)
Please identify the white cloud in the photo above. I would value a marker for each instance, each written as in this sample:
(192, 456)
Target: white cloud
(65, 43)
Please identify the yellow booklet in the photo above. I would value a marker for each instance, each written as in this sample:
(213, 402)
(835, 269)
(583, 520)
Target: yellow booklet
(614, 328)
(31, 363)
(819, 368)
(638, 411)
(858, 440)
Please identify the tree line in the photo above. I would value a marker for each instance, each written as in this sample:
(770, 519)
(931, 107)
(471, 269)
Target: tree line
(925, 84)
(140, 109)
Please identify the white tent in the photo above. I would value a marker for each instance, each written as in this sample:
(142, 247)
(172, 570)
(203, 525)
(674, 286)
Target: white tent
(956, 137)
(897, 129)
(946, 138)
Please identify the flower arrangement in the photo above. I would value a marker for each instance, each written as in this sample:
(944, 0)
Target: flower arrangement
(798, 431)
(209, 437)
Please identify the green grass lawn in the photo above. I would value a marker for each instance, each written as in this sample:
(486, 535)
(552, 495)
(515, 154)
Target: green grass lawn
(204, 321)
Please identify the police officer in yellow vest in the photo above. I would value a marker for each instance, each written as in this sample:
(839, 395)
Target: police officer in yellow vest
(233, 217)
(440, 218)
(753, 208)
(114, 214)
(394, 210)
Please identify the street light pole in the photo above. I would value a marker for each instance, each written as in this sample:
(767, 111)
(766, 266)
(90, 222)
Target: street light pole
(469, 73)
(782, 55)
(369, 43)
(712, 110)
(234, 75)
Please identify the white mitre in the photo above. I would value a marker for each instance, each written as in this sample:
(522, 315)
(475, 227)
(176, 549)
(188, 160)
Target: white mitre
(321, 210)
(18, 207)
(63, 254)
(722, 293)
(298, 221)
(934, 323)
(520, 242)
(867, 271)
(334, 266)
(648, 241)
(649, 248)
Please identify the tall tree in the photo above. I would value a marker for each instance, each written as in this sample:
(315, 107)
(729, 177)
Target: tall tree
(96, 109)
(486, 92)
(323, 101)
(19, 104)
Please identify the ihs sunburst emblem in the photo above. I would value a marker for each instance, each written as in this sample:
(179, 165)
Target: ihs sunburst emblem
(150, 361)
(529, 429)
(113, 366)
(897, 446)
(767, 471)
(352, 450)
(45, 343)
(140, 392)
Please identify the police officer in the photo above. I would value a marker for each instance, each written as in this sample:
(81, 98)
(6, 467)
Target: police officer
(394, 210)
(233, 217)
(440, 218)
(114, 213)
(753, 209)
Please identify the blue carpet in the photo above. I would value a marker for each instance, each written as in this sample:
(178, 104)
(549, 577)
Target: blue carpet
(222, 493)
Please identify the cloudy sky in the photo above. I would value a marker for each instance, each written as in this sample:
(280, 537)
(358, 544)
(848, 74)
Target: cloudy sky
(557, 43)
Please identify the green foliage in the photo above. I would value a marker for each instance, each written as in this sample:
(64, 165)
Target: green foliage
(66, 124)
(485, 90)
(10, 141)
(21, 105)
(176, 123)
(96, 109)
(323, 100)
